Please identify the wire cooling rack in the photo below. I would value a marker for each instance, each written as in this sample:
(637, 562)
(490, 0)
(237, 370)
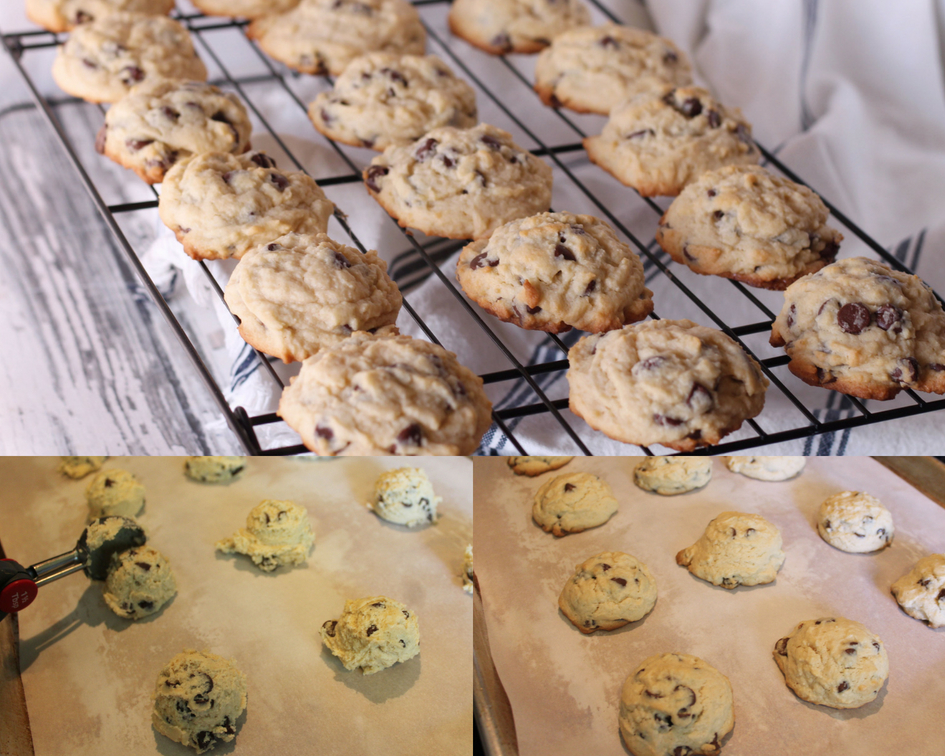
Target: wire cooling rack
(531, 381)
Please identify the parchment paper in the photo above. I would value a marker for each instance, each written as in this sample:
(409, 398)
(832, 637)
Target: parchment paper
(89, 675)
(564, 687)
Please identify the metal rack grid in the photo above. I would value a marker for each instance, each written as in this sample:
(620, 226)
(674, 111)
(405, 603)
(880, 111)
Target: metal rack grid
(533, 399)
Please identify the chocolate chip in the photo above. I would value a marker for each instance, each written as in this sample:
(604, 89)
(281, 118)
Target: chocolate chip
(329, 628)
(849, 650)
(371, 630)
(100, 140)
(131, 73)
(906, 371)
(590, 287)
(620, 581)
(137, 144)
(781, 647)
(876, 645)
(853, 317)
(491, 141)
(405, 613)
(89, 63)
(604, 567)
(146, 605)
(665, 721)
(682, 750)
(665, 420)
(532, 310)
(700, 399)
(941, 595)
(750, 531)
(144, 566)
(711, 193)
(924, 582)
(425, 150)
(412, 435)
(790, 316)
(562, 251)
(279, 181)
(323, 432)
(715, 120)
(690, 107)
(373, 173)
(273, 247)
(263, 160)
(650, 363)
(669, 58)
(369, 143)
(936, 367)
(829, 251)
(568, 486)
(481, 260)
(743, 136)
(227, 176)
(843, 686)
(341, 261)
(640, 133)
(651, 694)
(184, 710)
(82, 17)
(502, 41)
(887, 316)
(447, 161)
(395, 75)
(205, 739)
(608, 41)
(825, 376)
(109, 483)
(718, 215)
(685, 251)
(881, 531)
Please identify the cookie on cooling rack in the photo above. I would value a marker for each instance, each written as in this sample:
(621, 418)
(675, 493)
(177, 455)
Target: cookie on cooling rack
(668, 382)
(302, 293)
(658, 142)
(324, 36)
(861, 328)
(102, 60)
(62, 15)
(591, 69)
(161, 122)
(378, 396)
(243, 8)
(554, 271)
(459, 183)
(222, 205)
(383, 99)
(522, 26)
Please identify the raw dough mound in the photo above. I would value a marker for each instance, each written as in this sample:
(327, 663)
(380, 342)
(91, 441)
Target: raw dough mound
(114, 492)
(766, 468)
(921, 591)
(405, 496)
(214, 469)
(139, 583)
(855, 522)
(79, 467)
(373, 634)
(277, 533)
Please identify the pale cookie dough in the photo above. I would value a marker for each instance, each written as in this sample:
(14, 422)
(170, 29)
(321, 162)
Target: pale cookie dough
(277, 534)
(670, 382)
(856, 522)
(105, 537)
(214, 469)
(222, 205)
(921, 591)
(669, 476)
(405, 496)
(675, 704)
(573, 502)
(114, 492)
(383, 99)
(102, 60)
(766, 468)
(198, 699)
(833, 662)
(736, 549)
(744, 223)
(608, 591)
(468, 569)
(243, 8)
(63, 15)
(373, 634)
(532, 466)
(554, 271)
(459, 183)
(324, 36)
(79, 467)
(522, 26)
(139, 583)
(304, 292)
(591, 69)
(659, 142)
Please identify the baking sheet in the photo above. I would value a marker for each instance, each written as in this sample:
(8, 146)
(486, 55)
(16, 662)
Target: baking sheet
(564, 687)
(88, 674)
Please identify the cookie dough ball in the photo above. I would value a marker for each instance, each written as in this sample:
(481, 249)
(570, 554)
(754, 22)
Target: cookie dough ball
(139, 583)
(373, 634)
(214, 469)
(572, 503)
(79, 467)
(277, 533)
(675, 704)
(532, 466)
(198, 698)
(668, 476)
(921, 591)
(834, 662)
(856, 522)
(608, 591)
(766, 468)
(405, 497)
(105, 537)
(468, 570)
(736, 549)
(114, 492)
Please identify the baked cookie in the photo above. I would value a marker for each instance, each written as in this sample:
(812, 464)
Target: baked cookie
(79, 467)
(198, 699)
(668, 382)
(855, 522)
(103, 59)
(277, 534)
(214, 469)
(162, 121)
(591, 69)
(744, 223)
(736, 549)
(675, 704)
(373, 634)
(766, 468)
(105, 537)
(572, 503)
(114, 492)
(383, 99)
(608, 591)
(222, 205)
(522, 26)
(324, 36)
(658, 142)
(468, 574)
(668, 476)
(62, 15)
(554, 271)
(864, 329)
(532, 466)
(405, 496)
(833, 662)
(139, 583)
(921, 591)
(376, 396)
(459, 183)
(243, 8)
(302, 293)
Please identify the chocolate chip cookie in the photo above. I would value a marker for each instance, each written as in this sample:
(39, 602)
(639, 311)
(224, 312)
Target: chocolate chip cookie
(921, 591)
(608, 591)
(521, 26)
(243, 8)
(63, 15)
(669, 476)
(766, 468)
(532, 466)
(856, 522)
(572, 503)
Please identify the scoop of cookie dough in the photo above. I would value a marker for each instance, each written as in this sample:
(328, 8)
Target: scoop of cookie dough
(105, 537)
(373, 634)
(675, 704)
(766, 468)
(856, 522)
(921, 591)
(198, 698)
(405, 496)
(139, 583)
(79, 467)
(214, 469)
(532, 466)
(573, 502)
(736, 549)
(668, 476)
(114, 492)
(608, 591)
(277, 533)
(468, 569)
(833, 661)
